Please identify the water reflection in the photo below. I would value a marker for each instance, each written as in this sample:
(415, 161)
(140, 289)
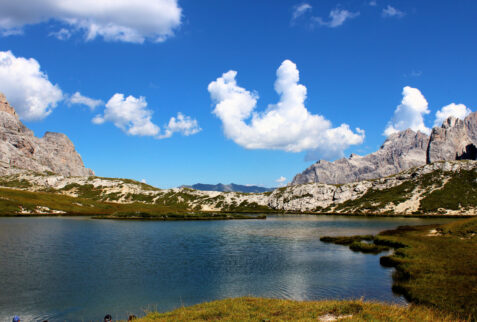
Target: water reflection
(80, 269)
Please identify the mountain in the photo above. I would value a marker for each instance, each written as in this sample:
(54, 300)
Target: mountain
(21, 150)
(228, 188)
(455, 140)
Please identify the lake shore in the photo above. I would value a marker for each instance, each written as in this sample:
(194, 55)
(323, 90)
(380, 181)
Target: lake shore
(262, 309)
(435, 272)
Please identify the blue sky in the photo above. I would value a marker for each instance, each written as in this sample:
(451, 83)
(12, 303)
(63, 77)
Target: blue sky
(355, 59)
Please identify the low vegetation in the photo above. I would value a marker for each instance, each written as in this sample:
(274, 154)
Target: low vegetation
(259, 309)
(172, 216)
(346, 240)
(435, 264)
(459, 192)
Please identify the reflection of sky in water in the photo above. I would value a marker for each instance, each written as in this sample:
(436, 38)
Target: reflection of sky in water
(66, 268)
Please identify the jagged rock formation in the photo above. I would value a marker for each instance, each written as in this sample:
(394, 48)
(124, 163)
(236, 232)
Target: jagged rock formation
(20, 149)
(454, 140)
(399, 152)
(232, 187)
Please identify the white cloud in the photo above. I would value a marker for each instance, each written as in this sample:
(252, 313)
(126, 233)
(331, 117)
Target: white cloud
(129, 114)
(372, 3)
(118, 20)
(132, 116)
(62, 34)
(287, 125)
(459, 111)
(26, 87)
(337, 18)
(282, 179)
(182, 124)
(300, 10)
(77, 98)
(410, 113)
(390, 11)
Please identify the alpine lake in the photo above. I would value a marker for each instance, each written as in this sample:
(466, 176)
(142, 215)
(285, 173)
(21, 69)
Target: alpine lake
(78, 268)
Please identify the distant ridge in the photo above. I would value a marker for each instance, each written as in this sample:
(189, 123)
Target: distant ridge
(455, 140)
(232, 187)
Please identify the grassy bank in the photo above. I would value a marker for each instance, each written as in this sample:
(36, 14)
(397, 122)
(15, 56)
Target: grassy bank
(259, 309)
(436, 265)
(172, 217)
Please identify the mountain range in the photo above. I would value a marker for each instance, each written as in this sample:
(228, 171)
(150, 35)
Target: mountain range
(455, 140)
(412, 173)
(232, 187)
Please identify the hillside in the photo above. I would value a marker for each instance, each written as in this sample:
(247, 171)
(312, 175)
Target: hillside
(440, 188)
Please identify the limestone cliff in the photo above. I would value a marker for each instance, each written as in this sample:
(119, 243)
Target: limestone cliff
(454, 140)
(20, 149)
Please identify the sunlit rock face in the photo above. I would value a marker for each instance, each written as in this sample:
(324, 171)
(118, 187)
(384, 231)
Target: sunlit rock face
(19, 148)
(454, 140)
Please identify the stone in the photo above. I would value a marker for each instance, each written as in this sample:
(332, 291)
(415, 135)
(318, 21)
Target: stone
(400, 151)
(21, 149)
(454, 140)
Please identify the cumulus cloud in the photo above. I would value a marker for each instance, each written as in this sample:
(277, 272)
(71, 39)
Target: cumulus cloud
(132, 116)
(410, 113)
(287, 125)
(182, 124)
(26, 87)
(390, 11)
(77, 98)
(119, 20)
(459, 111)
(300, 10)
(337, 18)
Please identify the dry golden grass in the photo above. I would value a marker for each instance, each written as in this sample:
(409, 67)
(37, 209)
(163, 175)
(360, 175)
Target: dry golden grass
(260, 309)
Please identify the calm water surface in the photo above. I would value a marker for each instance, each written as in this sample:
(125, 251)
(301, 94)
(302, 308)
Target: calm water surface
(81, 269)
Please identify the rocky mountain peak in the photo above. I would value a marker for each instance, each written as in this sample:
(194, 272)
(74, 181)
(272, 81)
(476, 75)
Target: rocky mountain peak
(20, 149)
(5, 106)
(456, 139)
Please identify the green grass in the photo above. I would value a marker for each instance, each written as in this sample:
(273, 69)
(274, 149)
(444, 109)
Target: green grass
(346, 240)
(459, 191)
(369, 248)
(260, 309)
(439, 271)
(11, 200)
(171, 217)
(436, 265)
(374, 200)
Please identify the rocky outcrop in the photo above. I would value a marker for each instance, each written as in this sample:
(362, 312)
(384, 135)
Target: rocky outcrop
(398, 194)
(399, 152)
(454, 140)
(447, 187)
(20, 149)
